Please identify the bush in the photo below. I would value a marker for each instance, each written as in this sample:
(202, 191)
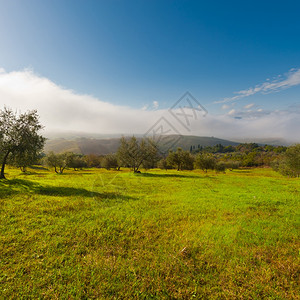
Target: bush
(289, 163)
(110, 162)
(220, 167)
(164, 165)
(92, 161)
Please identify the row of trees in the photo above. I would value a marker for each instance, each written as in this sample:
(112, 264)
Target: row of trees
(242, 148)
(246, 154)
(133, 154)
(21, 145)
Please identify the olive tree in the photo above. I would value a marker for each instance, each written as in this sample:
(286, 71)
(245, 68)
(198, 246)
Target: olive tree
(19, 137)
(57, 161)
(182, 160)
(133, 153)
(205, 162)
(25, 159)
(75, 161)
(110, 161)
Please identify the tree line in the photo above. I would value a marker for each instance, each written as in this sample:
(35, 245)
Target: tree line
(21, 145)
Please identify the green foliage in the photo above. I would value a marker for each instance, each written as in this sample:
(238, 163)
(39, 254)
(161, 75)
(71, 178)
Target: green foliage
(110, 162)
(75, 161)
(289, 163)
(93, 160)
(247, 154)
(205, 162)
(133, 153)
(25, 159)
(247, 147)
(57, 161)
(164, 165)
(249, 159)
(292, 157)
(182, 160)
(19, 138)
(220, 167)
(232, 165)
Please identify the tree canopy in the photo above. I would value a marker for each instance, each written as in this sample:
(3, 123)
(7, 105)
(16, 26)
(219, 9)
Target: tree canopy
(133, 153)
(19, 137)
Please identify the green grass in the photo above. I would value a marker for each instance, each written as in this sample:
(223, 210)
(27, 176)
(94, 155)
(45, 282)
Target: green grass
(161, 235)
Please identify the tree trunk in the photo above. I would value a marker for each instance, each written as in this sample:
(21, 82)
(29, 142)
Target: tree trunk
(2, 176)
(61, 170)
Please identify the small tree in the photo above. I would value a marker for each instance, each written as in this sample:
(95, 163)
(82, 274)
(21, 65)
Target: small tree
(75, 161)
(164, 165)
(231, 165)
(19, 138)
(187, 161)
(56, 161)
(292, 161)
(205, 162)
(180, 159)
(110, 161)
(132, 153)
(174, 159)
(92, 160)
(220, 167)
(151, 156)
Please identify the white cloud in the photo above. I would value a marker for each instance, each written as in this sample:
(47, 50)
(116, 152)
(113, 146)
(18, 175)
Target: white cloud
(225, 106)
(291, 79)
(232, 112)
(273, 125)
(248, 106)
(64, 110)
(155, 104)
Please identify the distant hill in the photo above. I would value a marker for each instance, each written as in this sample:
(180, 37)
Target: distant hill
(110, 145)
(186, 141)
(270, 141)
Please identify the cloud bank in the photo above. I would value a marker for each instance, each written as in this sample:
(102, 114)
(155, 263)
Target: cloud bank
(291, 79)
(63, 110)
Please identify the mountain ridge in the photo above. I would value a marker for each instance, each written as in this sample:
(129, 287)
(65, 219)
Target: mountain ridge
(102, 146)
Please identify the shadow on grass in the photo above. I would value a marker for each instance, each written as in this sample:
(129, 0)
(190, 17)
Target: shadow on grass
(39, 168)
(29, 173)
(21, 186)
(243, 171)
(74, 173)
(171, 175)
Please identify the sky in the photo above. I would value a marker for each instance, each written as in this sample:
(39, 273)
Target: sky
(120, 66)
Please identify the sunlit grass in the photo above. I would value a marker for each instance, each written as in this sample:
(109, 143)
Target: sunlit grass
(105, 234)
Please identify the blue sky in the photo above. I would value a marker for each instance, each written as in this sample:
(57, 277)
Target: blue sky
(132, 53)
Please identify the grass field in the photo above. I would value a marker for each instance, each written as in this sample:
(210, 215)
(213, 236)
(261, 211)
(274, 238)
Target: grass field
(161, 235)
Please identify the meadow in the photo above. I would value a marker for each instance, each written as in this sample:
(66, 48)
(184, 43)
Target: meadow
(156, 235)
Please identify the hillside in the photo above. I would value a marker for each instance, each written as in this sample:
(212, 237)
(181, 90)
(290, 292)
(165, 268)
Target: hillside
(110, 145)
(186, 141)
